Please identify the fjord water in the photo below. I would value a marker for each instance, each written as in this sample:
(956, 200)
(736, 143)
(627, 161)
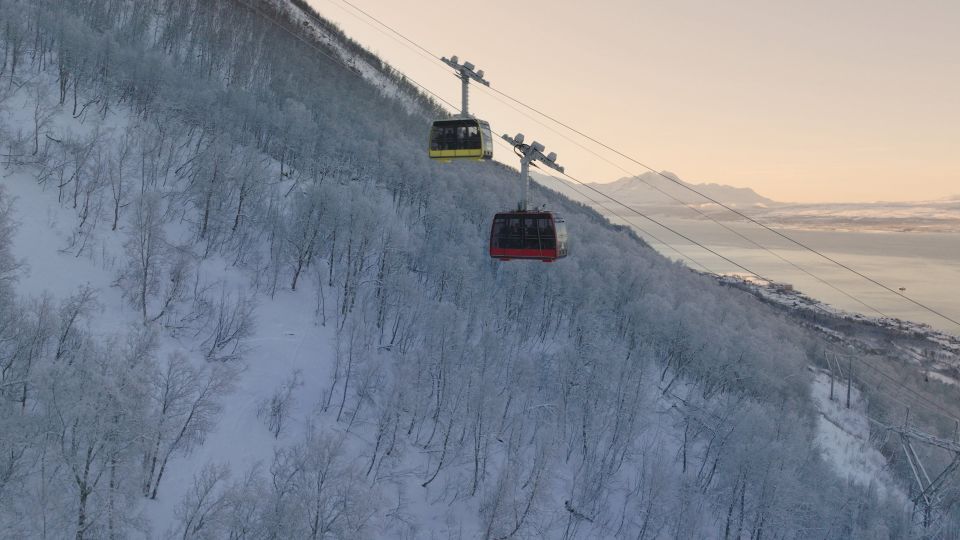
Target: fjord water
(927, 265)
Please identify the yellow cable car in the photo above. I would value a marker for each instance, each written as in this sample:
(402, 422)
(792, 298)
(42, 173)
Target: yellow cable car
(461, 138)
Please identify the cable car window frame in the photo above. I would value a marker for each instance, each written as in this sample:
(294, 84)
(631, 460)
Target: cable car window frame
(531, 233)
(548, 238)
(514, 234)
(486, 139)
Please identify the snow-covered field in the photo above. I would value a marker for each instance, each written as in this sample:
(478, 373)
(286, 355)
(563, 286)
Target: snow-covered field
(843, 434)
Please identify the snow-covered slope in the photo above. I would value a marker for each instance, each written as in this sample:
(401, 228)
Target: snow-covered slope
(372, 69)
(844, 436)
(286, 337)
(293, 329)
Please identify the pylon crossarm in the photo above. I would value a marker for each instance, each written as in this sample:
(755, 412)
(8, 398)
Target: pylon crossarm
(932, 441)
(918, 435)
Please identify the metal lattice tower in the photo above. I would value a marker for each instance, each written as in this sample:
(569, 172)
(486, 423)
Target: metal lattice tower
(929, 495)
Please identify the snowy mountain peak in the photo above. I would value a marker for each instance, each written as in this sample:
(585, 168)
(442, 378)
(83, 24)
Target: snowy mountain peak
(649, 182)
(665, 190)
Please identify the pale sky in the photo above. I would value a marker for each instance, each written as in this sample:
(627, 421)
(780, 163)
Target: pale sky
(813, 101)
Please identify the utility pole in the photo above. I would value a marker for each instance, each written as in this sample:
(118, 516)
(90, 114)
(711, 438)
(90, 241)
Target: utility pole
(829, 365)
(849, 378)
(466, 72)
(831, 383)
(529, 153)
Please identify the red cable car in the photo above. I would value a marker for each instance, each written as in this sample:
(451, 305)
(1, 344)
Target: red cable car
(528, 235)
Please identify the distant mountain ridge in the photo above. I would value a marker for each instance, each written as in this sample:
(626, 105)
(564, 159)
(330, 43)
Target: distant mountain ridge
(664, 194)
(657, 190)
(647, 184)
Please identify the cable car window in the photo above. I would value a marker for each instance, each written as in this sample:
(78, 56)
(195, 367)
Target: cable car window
(473, 137)
(500, 233)
(450, 138)
(514, 233)
(531, 237)
(546, 228)
(486, 139)
(547, 238)
(442, 138)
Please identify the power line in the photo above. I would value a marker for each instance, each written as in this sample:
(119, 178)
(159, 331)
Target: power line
(613, 212)
(674, 231)
(433, 58)
(934, 407)
(690, 188)
(338, 61)
(425, 89)
(916, 395)
(388, 27)
(681, 235)
(739, 213)
(905, 390)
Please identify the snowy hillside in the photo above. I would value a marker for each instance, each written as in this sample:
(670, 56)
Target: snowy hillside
(238, 301)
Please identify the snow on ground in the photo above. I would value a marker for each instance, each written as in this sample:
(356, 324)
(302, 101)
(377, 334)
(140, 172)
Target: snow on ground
(943, 378)
(284, 339)
(373, 75)
(843, 436)
(283, 342)
(287, 336)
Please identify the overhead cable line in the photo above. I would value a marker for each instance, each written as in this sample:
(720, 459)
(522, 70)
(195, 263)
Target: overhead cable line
(737, 212)
(664, 226)
(629, 208)
(690, 188)
(925, 402)
(433, 59)
(916, 395)
(388, 27)
(341, 63)
(427, 90)
(641, 214)
(613, 212)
